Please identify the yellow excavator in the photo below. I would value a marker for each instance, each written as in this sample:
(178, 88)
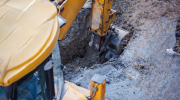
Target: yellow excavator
(29, 30)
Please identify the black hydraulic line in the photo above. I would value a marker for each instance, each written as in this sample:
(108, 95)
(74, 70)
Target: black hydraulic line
(50, 84)
(107, 39)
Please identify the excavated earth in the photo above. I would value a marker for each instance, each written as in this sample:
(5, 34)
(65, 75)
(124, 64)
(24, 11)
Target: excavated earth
(143, 71)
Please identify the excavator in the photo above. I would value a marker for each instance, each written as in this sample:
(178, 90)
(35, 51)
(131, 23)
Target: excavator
(29, 30)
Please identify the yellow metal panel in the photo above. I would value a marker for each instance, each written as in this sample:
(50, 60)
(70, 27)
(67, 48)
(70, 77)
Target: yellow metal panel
(100, 94)
(4, 10)
(4, 61)
(11, 16)
(19, 4)
(71, 9)
(83, 91)
(26, 38)
(102, 16)
(19, 71)
(112, 16)
(6, 22)
(2, 2)
(73, 94)
(34, 40)
(37, 14)
(96, 16)
(106, 15)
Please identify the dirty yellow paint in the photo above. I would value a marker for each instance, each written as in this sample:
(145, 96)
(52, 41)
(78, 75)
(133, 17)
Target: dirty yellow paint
(75, 92)
(71, 9)
(102, 16)
(100, 94)
(27, 37)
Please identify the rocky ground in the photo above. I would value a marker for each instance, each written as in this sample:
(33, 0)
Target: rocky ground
(143, 71)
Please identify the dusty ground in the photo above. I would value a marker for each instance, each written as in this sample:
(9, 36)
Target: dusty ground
(144, 71)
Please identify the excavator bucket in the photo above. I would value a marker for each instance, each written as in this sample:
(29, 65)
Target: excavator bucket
(116, 41)
(113, 45)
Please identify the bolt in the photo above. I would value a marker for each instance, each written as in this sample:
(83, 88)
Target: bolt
(105, 32)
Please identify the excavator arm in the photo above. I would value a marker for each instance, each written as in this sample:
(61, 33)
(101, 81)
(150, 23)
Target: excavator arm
(101, 18)
(68, 9)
